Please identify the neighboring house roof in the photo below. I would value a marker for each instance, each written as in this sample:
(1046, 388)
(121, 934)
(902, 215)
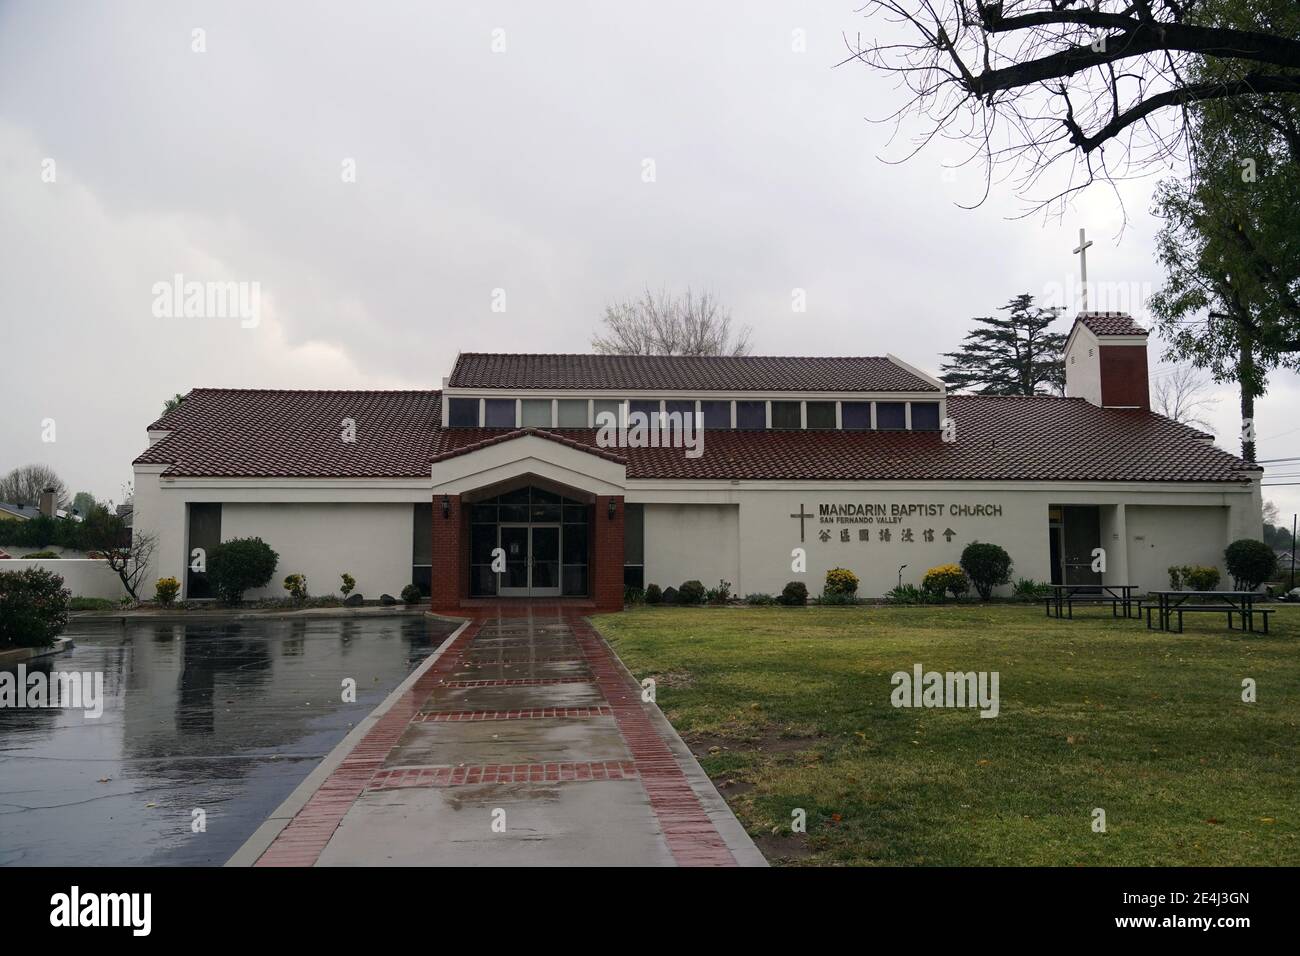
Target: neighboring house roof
(243, 433)
(699, 373)
(17, 511)
(226, 432)
(1111, 323)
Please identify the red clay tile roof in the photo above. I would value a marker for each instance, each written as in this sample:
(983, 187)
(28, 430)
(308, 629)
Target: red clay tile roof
(701, 373)
(1111, 323)
(222, 432)
(236, 433)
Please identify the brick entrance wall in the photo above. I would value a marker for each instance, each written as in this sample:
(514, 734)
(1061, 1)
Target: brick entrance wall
(450, 572)
(607, 557)
(450, 580)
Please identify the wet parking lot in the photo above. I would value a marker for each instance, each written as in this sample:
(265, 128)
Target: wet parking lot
(224, 718)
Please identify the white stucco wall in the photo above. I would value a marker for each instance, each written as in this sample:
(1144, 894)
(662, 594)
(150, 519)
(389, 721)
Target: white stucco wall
(690, 541)
(1160, 536)
(372, 542)
(685, 542)
(84, 577)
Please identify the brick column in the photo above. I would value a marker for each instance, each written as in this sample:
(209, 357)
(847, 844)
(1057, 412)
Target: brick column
(450, 575)
(607, 566)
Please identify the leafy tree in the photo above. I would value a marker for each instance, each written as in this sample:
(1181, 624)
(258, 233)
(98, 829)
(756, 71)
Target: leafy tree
(1013, 354)
(1250, 563)
(83, 503)
(239, 565)
(662, 324)
(987, 566)
(173, 402)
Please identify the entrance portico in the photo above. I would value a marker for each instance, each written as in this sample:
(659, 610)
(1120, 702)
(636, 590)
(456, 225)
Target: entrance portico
(528, 515)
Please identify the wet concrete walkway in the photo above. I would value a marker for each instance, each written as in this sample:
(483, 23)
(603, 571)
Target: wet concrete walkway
(523, 742)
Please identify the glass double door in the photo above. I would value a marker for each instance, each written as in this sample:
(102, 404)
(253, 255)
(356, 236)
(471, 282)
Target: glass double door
(532, 560)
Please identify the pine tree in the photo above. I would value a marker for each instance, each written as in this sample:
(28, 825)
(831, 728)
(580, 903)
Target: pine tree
(1013, 354)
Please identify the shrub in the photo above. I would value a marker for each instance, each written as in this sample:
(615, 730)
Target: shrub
(1027, 589)
(670, 595)
(987, 566)
(633, 595)
(907, 594)
(411, 594)
(33, 607)
(1201, 578)
(296, 585)
(1177, 574)
(945, 577)
(719, 595)
(41, 554)
(1250, 563)
(348, 585)
(759, 600)
(239, 565)
(691, 592)
(794, 594)
(841, 581)
(653, 595)
(836, 597)
(165, 591)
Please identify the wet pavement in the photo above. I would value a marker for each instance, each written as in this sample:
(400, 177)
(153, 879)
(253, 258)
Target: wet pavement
(227, 718)
(525, 743)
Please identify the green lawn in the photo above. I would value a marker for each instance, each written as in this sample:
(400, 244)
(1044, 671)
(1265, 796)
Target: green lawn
(790, 708)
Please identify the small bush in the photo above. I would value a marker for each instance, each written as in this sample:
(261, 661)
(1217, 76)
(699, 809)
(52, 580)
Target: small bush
(411, 594)
(92, 604)
(759, 600)
(165, 591)
(944, 578)
(653, 595)
(836, 597)
(691, 592)
(239, 565)
(41, 554)
(1200, 578)
(1250, 563)
(841, 581)
(1177, 573)
(670, 595)
(296, 585)
(33, 607)
(987, 566)
(1027, 589)
(719, 595)
(348, 585)
(906, 594)
(633, 595)
(794, 594)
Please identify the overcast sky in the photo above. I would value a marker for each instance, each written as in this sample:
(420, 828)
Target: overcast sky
(477, 170)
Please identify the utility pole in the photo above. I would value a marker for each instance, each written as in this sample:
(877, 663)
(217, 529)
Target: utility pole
(1293, 526)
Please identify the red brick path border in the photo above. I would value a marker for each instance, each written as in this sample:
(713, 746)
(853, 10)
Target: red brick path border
(400, 778)
(691, 835)
(517, 682)
(535, 713)
(301, 842)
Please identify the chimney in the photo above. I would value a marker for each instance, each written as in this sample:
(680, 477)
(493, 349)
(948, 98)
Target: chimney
(1106, 361)
(49, 504)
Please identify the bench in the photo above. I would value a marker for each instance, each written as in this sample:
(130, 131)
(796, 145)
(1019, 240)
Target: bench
(1089, 600)
(1262, 612)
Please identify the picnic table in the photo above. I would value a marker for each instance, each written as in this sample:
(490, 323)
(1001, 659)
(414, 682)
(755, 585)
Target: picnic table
(1064, 596)
(1169, 603)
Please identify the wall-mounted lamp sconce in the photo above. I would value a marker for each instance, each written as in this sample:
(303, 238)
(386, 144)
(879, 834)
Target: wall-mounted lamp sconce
(612, 509)
(446, 506)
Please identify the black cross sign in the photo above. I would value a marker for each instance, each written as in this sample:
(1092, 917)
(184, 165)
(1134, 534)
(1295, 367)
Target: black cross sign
(802, 516)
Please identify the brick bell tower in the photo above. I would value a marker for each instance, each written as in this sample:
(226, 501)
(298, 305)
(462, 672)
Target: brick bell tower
(1106, 361)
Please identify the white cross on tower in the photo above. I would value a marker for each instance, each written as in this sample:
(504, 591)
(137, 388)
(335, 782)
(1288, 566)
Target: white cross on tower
(1082, 253)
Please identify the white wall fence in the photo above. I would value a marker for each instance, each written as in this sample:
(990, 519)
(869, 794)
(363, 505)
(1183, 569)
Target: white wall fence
(84, 577)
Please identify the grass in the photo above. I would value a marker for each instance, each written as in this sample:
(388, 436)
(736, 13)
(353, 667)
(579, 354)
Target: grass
(790, 708)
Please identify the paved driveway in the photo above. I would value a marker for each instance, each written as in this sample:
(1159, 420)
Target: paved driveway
(525, 742)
